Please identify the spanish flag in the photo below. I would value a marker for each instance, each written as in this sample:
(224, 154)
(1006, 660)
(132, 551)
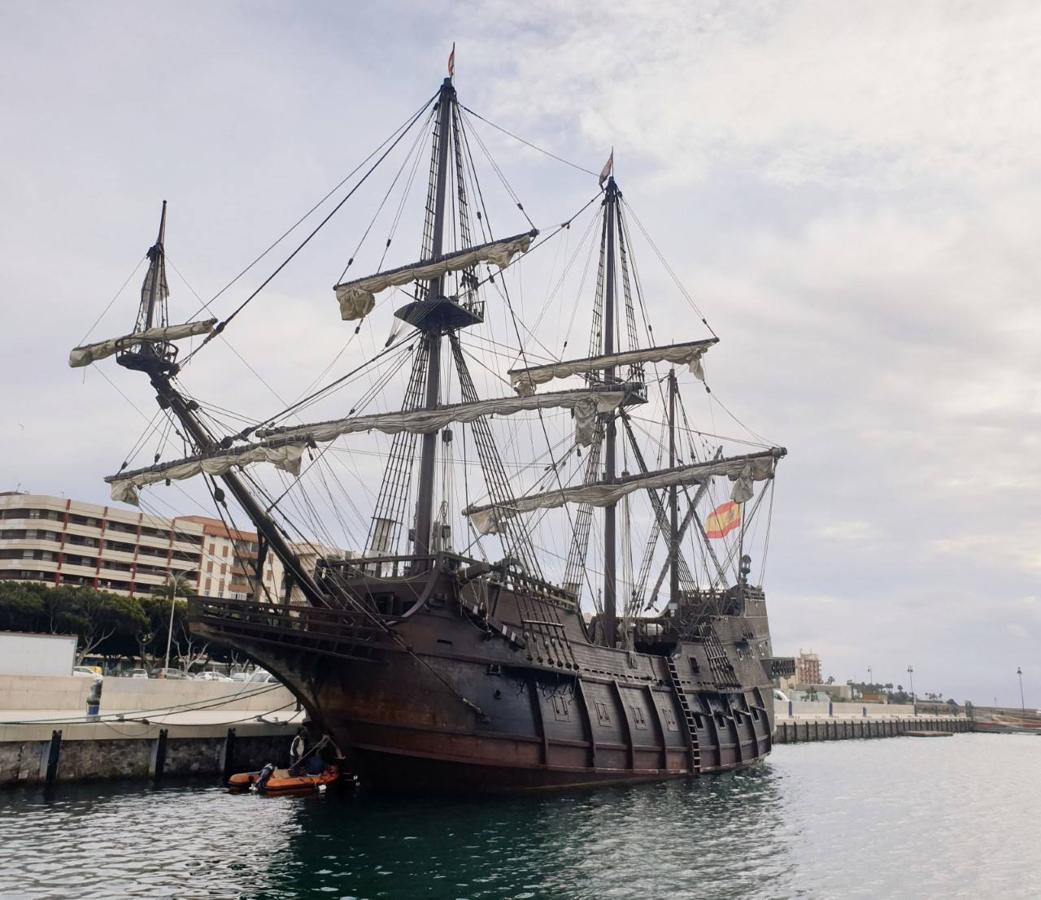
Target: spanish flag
(723, 519)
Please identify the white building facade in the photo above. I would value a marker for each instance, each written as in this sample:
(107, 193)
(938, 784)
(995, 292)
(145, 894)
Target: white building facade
(58, 541)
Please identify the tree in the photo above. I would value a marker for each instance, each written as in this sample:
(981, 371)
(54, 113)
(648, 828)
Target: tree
(102, 617)
(21, 606)
(151, 636)
(190, 649)
(103, 622)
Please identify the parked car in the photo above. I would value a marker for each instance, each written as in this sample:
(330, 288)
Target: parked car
(85, 671)
(137, 673)
(211, 676)
(262, 676)
(240, 676)
(171, 674)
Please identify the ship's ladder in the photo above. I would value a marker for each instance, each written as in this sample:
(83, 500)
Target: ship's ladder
(690, 723)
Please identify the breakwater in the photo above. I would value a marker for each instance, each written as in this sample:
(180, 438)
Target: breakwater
(797, 731)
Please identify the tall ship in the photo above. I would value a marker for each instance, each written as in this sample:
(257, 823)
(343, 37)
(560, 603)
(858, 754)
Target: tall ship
(553, 578)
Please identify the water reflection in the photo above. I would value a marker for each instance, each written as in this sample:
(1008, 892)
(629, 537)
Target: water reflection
(895, 818)
(722, 834)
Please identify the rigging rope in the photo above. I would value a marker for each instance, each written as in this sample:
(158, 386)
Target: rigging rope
(113, 300)
(531, 145)
(225, 322)
(406, 126)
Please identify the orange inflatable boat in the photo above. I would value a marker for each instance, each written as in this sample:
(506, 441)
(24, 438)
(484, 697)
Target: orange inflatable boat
(270, 780)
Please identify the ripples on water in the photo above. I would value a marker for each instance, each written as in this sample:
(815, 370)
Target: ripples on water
(959, 817)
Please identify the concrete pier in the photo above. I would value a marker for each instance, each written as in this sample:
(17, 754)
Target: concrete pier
(798, 731)
(145, 729)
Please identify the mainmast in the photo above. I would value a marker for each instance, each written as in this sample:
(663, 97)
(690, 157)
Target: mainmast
(433, 325)
(674, 534)
(610, 578)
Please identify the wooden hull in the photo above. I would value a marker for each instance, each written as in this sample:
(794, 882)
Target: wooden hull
(455, 700)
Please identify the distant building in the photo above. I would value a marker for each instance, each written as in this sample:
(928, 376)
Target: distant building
(309, 554)
(60, 541)
(837, 692)
(807, 668)
(230, 559)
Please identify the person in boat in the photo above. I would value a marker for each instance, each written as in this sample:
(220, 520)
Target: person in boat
(297, 748)
(312, 765)
(304, 761)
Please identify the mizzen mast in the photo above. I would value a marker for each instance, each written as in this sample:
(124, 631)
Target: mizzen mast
(610, 574)
(674, 534)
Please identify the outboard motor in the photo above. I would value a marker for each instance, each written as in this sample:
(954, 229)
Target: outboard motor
(263, 778)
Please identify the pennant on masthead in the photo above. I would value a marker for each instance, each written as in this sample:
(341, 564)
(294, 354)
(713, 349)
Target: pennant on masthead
(451, 61)
(608, 170)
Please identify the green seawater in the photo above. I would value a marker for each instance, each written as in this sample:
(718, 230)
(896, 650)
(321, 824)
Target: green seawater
(903, 817)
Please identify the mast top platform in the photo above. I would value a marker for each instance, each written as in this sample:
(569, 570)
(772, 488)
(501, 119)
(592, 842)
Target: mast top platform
(441, 314)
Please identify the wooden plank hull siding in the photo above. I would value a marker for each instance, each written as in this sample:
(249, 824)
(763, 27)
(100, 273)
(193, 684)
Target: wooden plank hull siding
(491, 690)
(795, 731)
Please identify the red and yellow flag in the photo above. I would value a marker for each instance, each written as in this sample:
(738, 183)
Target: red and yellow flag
(723, 519)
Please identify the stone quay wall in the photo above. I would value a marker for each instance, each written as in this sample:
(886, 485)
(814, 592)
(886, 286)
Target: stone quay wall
(145, 729)
(798, 731)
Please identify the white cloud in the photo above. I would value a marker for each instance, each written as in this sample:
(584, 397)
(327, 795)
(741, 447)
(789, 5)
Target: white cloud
(850, 191)
(877, 96)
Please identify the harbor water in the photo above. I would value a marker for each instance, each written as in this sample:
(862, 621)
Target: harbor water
(903, 817)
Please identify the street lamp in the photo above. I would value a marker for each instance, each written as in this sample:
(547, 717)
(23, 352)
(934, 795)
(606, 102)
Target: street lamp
(870, 677)
(170, 589)
(1022, 702)
(914, 703)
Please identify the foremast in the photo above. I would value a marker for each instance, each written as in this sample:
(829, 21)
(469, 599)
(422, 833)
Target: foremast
(157, 359)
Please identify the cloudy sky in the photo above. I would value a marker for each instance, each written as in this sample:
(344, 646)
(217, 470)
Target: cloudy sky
(850, 190)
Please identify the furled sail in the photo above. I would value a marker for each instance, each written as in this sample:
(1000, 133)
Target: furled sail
(585, 404)
(525, 380)
(284, 446)
(358, 297)
(284, 456)
(88, 353)
(742, 470)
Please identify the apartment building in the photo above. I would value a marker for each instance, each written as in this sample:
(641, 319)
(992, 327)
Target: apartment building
(230, 559)
(808, 668)
(62, 541)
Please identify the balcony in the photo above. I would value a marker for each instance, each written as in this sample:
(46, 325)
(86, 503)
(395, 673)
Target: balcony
(346, 634)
